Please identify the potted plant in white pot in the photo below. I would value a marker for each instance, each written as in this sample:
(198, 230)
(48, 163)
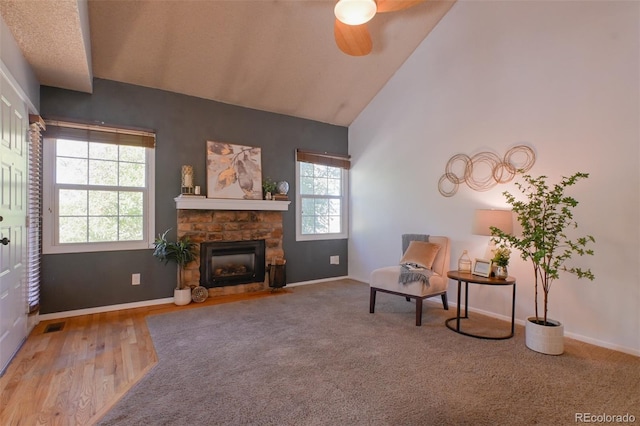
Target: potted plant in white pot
(545, 214)
(182, 252)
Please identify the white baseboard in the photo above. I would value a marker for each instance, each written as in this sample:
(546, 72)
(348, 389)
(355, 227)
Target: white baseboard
(109, 308)
(324, 280)
(579, 337)
(596, 342)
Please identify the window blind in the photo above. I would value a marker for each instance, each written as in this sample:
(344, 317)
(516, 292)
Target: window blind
(100, 133)
(324, 158)
(34, 241)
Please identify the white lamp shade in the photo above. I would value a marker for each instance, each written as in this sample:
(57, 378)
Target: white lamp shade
(484, 219)
(355, 12)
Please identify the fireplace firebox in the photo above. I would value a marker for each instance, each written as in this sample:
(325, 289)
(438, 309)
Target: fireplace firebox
(228, 263)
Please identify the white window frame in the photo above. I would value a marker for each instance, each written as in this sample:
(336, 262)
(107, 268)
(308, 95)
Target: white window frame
(50, 244)
(344, 214)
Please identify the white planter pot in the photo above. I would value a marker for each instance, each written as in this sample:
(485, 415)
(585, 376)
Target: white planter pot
(546, 339)
(182, 296)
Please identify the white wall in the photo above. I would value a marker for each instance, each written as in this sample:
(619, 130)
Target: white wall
(562, 77)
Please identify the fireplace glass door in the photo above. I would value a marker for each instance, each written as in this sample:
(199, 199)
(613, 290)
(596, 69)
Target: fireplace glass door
(231, 263)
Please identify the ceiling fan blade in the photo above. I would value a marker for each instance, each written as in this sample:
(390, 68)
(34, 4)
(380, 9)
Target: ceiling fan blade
(353, 40)
(395, 5)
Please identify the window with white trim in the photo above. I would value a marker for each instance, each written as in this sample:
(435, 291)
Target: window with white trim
(321, 196)
(98, 190)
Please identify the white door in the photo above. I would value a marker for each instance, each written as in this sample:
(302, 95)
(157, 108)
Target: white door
(13, 212)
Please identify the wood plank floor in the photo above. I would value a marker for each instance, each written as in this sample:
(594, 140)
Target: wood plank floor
(75, 375)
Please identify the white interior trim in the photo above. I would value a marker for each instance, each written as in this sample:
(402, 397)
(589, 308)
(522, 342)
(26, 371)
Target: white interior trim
(195, 203)
(108, 308)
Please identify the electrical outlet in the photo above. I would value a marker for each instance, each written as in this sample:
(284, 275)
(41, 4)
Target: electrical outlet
(334, 260)
(135, 279)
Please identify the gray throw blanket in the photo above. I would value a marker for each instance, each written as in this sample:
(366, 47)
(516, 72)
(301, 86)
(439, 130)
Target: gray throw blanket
(411, 273)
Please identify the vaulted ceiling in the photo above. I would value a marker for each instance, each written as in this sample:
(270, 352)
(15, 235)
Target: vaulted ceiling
(271, 55)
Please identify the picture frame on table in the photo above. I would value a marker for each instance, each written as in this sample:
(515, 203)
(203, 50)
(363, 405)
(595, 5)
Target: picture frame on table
(482, 268)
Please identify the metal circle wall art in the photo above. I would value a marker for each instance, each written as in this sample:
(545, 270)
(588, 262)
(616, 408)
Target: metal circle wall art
(484, 170)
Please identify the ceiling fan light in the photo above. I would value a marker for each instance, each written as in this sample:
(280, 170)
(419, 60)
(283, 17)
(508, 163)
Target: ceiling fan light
(355, 12)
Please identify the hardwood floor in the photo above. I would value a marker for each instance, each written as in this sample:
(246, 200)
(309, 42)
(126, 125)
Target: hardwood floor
(75, 375)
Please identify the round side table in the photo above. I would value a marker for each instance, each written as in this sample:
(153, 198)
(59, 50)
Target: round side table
(468, 278)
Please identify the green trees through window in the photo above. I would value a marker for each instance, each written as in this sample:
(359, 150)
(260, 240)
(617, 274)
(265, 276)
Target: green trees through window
(322, 195)
(99, 196)
(100, 190)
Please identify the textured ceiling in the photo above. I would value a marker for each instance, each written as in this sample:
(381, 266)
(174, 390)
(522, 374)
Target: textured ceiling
(271, 55)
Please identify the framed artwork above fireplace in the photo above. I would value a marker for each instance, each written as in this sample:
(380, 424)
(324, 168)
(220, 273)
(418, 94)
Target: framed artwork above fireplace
(234, 171)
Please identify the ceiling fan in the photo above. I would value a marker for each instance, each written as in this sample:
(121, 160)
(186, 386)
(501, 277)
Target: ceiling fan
(350, 29)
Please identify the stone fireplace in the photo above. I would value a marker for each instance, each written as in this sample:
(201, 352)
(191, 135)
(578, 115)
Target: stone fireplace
(209, 226)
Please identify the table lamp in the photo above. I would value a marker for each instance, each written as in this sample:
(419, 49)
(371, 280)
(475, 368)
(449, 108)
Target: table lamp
(484, 219)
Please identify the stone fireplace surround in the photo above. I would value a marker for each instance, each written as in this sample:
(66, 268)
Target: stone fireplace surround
(202, 225)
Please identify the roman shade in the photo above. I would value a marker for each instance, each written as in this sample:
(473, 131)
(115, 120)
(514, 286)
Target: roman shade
(100, 133)
(324, 158)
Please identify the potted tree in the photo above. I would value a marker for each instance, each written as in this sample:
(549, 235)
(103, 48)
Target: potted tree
(182, 252)
(544, 215)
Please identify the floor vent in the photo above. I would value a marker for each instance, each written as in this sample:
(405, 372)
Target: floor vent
(56, 326)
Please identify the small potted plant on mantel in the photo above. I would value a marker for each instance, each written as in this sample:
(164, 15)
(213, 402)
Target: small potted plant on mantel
(182, 252)
(545, 214)
(269, 188)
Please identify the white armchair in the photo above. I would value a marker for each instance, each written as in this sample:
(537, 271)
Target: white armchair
(387, 280)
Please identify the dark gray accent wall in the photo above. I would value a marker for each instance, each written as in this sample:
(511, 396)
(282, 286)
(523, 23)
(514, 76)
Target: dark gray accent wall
(182, 124)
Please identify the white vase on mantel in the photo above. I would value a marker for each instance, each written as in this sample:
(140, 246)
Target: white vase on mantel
(546, 339)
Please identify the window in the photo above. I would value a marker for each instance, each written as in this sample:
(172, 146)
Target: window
(98, 192)
(321, 197)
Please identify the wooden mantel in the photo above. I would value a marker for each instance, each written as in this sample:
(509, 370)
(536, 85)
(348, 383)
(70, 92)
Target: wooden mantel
(189, 203)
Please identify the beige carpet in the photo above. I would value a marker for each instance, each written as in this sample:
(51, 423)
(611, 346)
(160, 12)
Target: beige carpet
(317, 357)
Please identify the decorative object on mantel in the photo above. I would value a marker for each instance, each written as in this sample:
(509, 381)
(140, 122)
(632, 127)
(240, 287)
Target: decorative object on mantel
(545, 214)
(283, 187)
(187, 180)
(269, 187)
(199, 294)
(233, 171)
(182, 252)
(500, 170)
